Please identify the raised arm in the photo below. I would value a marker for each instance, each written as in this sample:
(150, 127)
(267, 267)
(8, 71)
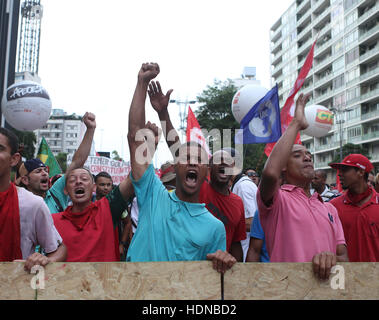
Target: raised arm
(279, 156)
(147, 73)
(81, 155)
(159, 101)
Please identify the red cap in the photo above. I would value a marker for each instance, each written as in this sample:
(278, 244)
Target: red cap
(355, 160)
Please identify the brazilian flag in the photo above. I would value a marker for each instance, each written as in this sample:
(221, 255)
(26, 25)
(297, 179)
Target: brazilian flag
(47, 157)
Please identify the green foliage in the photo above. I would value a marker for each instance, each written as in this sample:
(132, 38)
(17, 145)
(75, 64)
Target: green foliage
(28, 139)
(350, 148)
(62, 160)
(215, 112)
(116, 156)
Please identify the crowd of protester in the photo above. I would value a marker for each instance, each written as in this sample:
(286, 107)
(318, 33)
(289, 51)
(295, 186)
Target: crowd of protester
(201, 207)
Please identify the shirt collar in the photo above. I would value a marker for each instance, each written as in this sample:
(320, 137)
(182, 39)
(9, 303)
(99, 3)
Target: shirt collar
(194, 209)
(374, 199)
(292, 188)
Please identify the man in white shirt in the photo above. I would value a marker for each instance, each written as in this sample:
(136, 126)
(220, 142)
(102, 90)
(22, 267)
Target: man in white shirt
(319, 186)
(247, 190)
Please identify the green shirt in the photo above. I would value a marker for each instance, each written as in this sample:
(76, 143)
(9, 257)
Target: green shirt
(60, 202)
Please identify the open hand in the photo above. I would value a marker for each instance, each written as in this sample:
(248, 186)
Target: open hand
(299, 111)
(158, 100)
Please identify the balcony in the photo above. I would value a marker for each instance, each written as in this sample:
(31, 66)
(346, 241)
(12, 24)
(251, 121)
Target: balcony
(304, 32)
(370, 136)
(368, 75)
(319, 18)
(328, 146)
(367, 14)
(277, 45)
(304, 17)
(369, 54)
(319, 165)
(300, 6)
(304, 46)
(370, 115)
(324, 63)
(324, 79)
(365, 35)
(317, 4)
(368, 95)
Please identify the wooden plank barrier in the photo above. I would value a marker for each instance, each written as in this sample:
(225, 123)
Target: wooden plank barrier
(188, 281)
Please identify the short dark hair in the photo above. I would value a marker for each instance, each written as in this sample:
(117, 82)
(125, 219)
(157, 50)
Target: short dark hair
(86, 169)
(12, 139)
(104, 175)
(247, 169)
(189, 144)
(322, 172)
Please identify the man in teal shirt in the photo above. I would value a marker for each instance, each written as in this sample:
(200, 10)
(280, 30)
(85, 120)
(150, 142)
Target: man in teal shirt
(34, 175)
(171, 226)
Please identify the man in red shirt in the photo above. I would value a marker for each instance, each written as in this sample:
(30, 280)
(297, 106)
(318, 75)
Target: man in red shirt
(358, 209)
(223, 204)
(88, 229)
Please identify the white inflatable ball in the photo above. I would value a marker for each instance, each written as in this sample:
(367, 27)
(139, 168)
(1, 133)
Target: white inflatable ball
(245, 99)
(26, 106)
(320, 120)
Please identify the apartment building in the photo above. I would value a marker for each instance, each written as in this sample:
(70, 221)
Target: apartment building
(62, 132)
(345, 73)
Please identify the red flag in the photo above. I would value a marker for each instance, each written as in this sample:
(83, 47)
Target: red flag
(194, 132)
(287, 113)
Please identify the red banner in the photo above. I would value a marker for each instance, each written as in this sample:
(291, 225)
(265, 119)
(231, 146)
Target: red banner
(287, 113)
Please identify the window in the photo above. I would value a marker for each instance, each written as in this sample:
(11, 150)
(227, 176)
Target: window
(339, 81)
(352, 74)
(338, 46)
(351, 37)
(338, 64)
(351, 18)
(349, 3)
(353, 93)
(339, 100)
(354, 132)
(337, 28)
(353, 114)
(352, 55)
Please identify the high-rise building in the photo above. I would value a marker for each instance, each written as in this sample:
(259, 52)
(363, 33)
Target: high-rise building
(29, 37)
(345, 73)
(62, 132)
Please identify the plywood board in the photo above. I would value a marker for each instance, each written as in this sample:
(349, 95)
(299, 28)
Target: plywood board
(15, 282)
(186, 281)
(296, 281)
(129, 281)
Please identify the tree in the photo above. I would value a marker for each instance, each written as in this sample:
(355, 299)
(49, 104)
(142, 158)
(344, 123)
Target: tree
(216, 113)
(350, 148)
(28, 139)
(116, 156)
(62, 160)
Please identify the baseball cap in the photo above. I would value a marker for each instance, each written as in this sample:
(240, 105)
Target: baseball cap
(30, 165)
(167, 172)
(356, 161)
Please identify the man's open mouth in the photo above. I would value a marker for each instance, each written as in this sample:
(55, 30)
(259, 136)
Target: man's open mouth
(191, 178)
(79, 191)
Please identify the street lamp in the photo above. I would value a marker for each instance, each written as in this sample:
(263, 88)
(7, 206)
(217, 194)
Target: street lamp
(183, 112)
(340, 121)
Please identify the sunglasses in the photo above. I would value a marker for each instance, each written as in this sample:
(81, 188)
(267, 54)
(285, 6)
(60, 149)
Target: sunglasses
(252, 174)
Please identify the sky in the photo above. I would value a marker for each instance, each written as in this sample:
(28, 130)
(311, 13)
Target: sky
(91, 52)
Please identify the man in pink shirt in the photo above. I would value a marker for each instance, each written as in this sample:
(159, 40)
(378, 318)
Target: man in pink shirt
(299, 227)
